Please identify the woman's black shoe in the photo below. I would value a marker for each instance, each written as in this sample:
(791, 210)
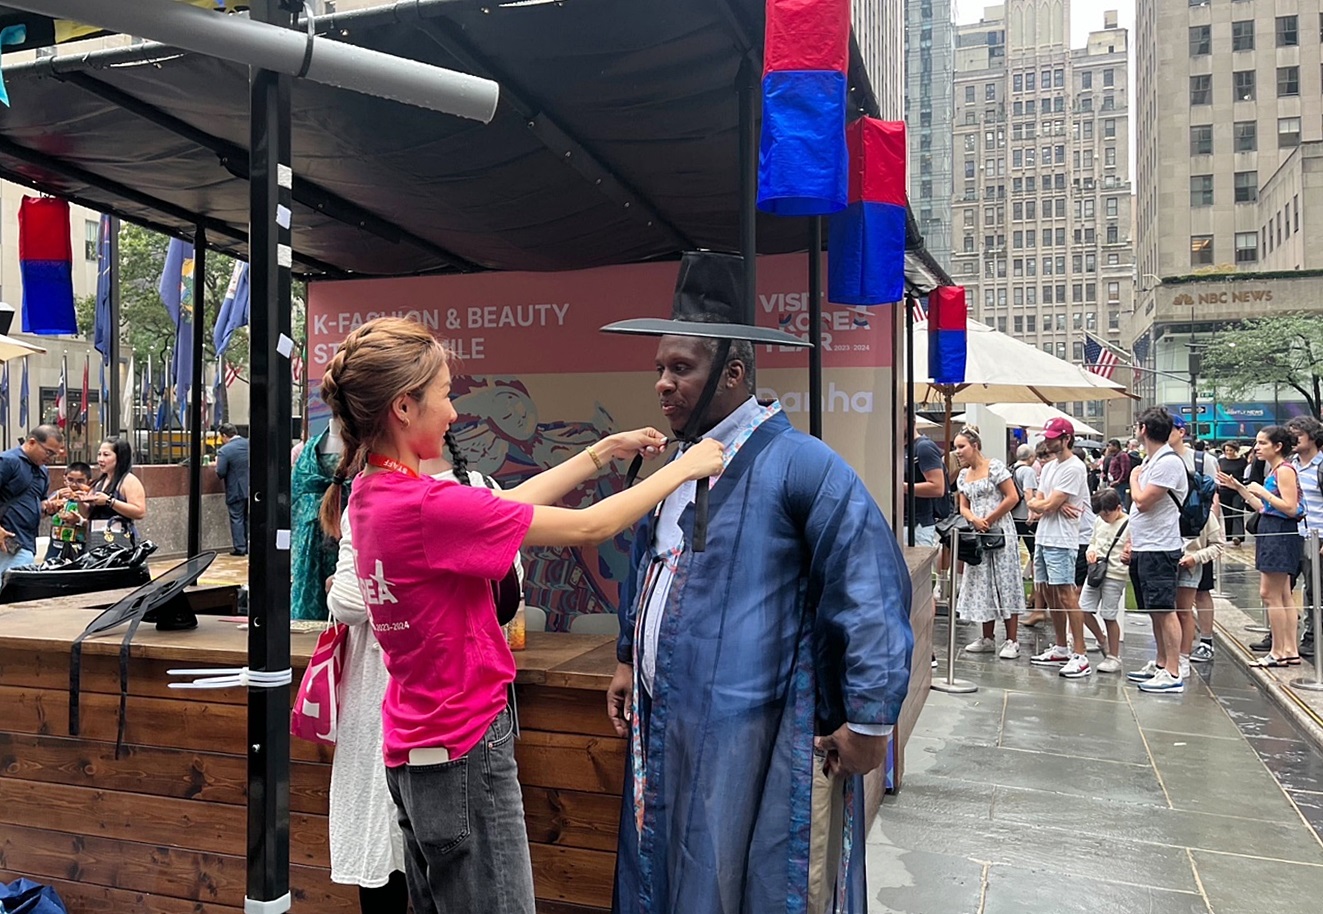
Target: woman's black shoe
(1264, 645)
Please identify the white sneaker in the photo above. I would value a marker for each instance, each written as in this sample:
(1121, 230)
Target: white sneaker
(1076, 668)
(1144, 673)
(1163, 682)
(1184, 667)
(1010, 651)
(1109, 665)
(1053, 656)
(981, 646)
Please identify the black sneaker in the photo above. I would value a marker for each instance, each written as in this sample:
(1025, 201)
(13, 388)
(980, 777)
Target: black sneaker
(1263, 645)
(1307, 648)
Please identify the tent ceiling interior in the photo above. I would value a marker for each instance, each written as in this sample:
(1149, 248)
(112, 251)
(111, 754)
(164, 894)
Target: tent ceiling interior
(615, 142)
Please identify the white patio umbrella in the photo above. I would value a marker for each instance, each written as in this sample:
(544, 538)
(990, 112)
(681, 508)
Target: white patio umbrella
(1036, 415)
(11, 348)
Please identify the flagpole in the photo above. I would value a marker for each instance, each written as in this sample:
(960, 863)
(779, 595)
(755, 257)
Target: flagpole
(62, 419)
(114, 410)
(195, 386)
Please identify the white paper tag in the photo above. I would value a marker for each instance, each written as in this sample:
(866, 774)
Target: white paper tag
(285, 176)
(282, 216)
(282, 540)
(284, 345)
(99, 526)
(284, 255)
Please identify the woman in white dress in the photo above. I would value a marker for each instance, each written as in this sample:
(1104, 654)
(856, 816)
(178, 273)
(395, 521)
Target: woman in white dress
(367, 846)
(992, 590)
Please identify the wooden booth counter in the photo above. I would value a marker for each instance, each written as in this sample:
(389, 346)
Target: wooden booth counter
(162, 829)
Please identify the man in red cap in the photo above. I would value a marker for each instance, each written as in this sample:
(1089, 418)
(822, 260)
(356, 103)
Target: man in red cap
(1058, 503)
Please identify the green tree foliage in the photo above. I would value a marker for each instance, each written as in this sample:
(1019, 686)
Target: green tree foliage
(1286, 350)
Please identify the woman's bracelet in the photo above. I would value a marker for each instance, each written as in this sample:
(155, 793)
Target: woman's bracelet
(597, 461)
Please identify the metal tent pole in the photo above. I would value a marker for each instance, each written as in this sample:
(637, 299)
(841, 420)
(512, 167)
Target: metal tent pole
(270, 186)
(910, 430)
(815, 326)
(195, 388)
(114, 411)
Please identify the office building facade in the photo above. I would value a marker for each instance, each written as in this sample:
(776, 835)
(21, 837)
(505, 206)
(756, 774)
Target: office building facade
(929, 110)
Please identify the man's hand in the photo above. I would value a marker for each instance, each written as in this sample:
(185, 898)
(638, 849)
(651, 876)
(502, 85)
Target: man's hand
(619, 698)
(851, 753)
(1074, 512)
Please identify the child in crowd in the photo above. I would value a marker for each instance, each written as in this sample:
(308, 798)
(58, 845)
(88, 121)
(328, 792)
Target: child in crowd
(68, 526)
(1107, 545)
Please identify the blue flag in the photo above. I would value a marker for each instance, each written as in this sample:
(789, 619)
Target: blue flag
(234, 310)
(23, 400)
(105, 396)
(103, 330)
(4, 396)
(176, 290)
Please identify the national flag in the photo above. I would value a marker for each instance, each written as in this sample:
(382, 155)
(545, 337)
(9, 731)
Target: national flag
(947, 327)
(1141, 349)
(296, 368)
(45, 256)
(104, 269)
(62, 397)
(802, 161)
(220, 395)
(176, 289)
(23, 399)
(163, 398)
(917, 312)
(234, 310)
(82, 410)
(232, 374)
(866, 241)
(103, 401)
(1099, 359)
(4, 396)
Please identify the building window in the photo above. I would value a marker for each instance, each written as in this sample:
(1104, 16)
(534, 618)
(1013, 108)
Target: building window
(1086, 79)
(1113, 236)
(1201, 140)
(990, 92)
(1031, 323)
(1018, 323)
(1059, 79)
(969, 95)
(1109, 77)
(1109, 156)
(1113, 320)
(1247, 136)
(1201, 93)
(1113, 291)
(1288, 31)
(1088, 209)
(1112, 204)
(1288, 81)
(1288, 132)
(91, 239)
(1242, 86)
(1201, 250)
(1017, 82)
(1077, 351)
(1109, 125)
(1088, 130)
(1201, 190)
(1247, 186)
(1297, 212)
(1247, 247)
(1077, 293)
(1242, 35)
(1086, 103)
(1288, 220)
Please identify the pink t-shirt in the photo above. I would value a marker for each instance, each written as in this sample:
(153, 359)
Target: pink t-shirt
(427, 551)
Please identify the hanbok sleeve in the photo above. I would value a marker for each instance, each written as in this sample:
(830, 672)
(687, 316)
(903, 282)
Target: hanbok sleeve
(859, 592)
(629, 593)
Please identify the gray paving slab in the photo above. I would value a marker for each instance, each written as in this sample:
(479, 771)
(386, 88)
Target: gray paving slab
(1199, 714)
(1236, 884)
(922, 882)
(1080, 728)
(1020, 890)
(1218, 776)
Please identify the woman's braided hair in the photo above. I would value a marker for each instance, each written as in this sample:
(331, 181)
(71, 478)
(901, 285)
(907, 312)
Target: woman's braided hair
(459, 464)
(382, 360)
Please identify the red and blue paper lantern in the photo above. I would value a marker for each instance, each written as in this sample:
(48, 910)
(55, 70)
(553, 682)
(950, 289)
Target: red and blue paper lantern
(802, 161)
(948, 345)
(45, 257)
(866, 242)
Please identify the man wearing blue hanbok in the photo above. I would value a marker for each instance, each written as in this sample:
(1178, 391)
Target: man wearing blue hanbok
(765, 643)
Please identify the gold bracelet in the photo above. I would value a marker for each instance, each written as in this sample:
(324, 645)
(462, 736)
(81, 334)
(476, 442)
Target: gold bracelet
(597, 461)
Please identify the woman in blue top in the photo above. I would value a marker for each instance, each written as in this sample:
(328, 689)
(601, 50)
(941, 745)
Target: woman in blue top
(1277, 543)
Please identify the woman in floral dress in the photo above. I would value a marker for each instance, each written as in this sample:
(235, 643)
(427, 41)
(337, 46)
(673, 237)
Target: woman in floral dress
(992, 590)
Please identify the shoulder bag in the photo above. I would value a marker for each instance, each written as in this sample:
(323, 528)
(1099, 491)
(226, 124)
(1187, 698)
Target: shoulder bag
(1097, 572)
(315, 714)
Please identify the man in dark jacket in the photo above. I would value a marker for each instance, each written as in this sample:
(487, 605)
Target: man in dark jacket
(232, 467)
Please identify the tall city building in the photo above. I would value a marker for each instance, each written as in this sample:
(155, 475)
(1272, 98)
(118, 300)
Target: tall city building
(1229, 99)
(929, 109)
(1042, 206)
(879, 30)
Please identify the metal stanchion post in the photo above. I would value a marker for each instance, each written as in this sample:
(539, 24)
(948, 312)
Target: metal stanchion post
(951, 684)
(1315, 684)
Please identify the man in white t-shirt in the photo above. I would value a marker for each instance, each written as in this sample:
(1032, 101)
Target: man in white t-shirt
(1063, 489)
(1158, 488)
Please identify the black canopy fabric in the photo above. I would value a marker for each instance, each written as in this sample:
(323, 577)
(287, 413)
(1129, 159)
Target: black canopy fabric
(615, 140)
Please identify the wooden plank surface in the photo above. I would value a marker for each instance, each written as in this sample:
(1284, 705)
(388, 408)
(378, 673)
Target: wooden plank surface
(573, 875)
(84, 898)
(49, 669)
(571, 818)
(548, 650)
(563, 761)
(589, 670)
(563, 710)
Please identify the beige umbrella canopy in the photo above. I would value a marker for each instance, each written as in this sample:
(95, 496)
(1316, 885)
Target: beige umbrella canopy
(1034, 416)
(11, 348)
(1001, 369)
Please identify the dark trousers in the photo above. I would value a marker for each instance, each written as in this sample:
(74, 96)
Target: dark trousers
(391, 898)
(1233, 513)
(238, 511)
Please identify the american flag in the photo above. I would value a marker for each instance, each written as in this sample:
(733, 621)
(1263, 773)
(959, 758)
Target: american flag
(296, 368)
(1099, 359)
(1141, 348)
(231, 374)
(916, 309)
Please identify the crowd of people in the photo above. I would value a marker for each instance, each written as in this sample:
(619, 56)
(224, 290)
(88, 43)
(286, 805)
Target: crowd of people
(1147, 521)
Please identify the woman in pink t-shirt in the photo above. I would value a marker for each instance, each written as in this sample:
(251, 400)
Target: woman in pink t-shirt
(427, 552)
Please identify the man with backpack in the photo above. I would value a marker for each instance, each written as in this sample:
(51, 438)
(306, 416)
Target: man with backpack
(1158, 490)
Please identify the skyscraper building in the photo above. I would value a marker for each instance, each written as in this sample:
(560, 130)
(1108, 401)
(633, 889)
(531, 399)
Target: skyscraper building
(929, 109)
(1042, 219)
(1229, 100)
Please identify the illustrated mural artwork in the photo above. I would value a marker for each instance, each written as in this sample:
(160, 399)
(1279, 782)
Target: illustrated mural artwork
(536, 382)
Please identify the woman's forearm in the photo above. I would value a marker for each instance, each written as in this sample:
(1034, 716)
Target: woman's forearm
(600, 522)
(551, 485)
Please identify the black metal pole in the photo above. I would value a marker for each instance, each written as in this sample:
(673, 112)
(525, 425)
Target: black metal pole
(910, 431)
(270, 184)
(815, 326)
(195, 388)
(748, 92)
(114, 413)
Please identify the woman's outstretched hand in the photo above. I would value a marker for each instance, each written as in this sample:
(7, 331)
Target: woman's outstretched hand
(646, 441)
(703, 459)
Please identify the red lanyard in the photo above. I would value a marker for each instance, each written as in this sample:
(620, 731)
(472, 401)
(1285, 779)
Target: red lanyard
(390, 463)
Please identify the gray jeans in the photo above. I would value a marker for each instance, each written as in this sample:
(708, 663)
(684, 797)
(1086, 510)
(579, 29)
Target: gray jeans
(465, 843)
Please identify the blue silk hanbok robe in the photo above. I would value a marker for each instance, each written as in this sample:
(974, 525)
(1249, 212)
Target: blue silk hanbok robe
(793, 621)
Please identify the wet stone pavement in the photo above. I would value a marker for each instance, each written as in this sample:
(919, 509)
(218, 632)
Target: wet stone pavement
(1038, 793)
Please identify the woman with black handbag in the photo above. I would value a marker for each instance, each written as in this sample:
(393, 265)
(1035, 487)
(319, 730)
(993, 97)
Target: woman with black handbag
(993, 589)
